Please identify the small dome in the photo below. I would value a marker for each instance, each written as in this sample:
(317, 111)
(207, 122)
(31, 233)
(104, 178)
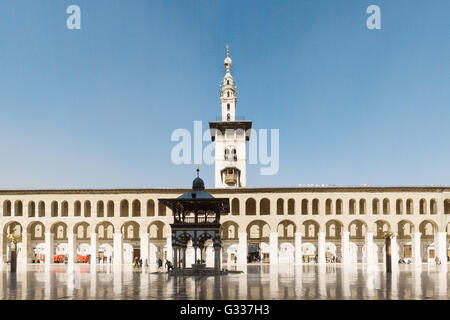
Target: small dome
(227, 62)
(198, 184)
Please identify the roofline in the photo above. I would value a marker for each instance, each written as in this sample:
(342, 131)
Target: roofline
(232, 190)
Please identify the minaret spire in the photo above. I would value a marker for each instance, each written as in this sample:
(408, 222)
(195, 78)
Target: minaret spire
(228, 91)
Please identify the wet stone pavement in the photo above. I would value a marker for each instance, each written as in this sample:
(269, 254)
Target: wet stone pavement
(333, 281)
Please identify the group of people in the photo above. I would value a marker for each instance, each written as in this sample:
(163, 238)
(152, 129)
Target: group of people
(168, 265)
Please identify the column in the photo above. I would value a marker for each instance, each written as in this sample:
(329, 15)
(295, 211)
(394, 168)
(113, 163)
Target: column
(298, 248)
(217, 258)
(369, 248)
(321, 248)
(23, 259)
(243, 249)
(153, 254)
(415, 248)
(94, 248)
(144, 248)
(440, 245)
(395, 257)
(169, 247)
(118, 249)
(48, 248)
(176, 254)
(273, 247)
(345, 248)
(1, 250)
(71, 248)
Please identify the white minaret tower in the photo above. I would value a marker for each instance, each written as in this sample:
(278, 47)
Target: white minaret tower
(230, 136)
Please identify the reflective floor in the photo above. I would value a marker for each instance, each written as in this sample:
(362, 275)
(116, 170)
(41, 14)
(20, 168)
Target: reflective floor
(37, 282)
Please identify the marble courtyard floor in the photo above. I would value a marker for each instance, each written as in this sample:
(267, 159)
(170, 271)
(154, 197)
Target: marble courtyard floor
(332, 281)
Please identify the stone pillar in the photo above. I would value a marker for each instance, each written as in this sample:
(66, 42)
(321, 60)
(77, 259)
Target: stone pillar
(273, 246)
(217, 258)
(395, 255)
(176, 253)
(440, 246)
(144, 248)
(345, 248)
(169, 247)
(118, 249)
(71, 248)
(153, 254)
(48, 248)
(243, 249)
(94, 248)
(369, 248)
(1, 250)
(23, 259)
(321, 248)
(415, 248)
(298, 248)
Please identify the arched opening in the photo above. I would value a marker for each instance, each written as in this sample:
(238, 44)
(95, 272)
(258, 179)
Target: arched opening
(280, 207)
(110, 209)
(105, 231)
(352, 206)
(250, 207)
(7, 208)
(304, 207)
(333, 229)
(77, 208)
(447, 206)
(291, 207)
(409, 206)
(399, 206)
(375, 206)
(405, 229)
(427, 228)
(315, 206)
(156, 230)
(136, 210)
(100, 209)
(264, 207)
(64, 209)
(82, 230)
(124, 208)
(433, 206)
(41, 209)
(150, 208)
(357, 229)
(286, 230)
(229, 230)
(328, 206)
(382, 227)
(31, 209)
(87, 208)
(362, 206)
(423, 206)
(386, 204)
(18, 208)
(339, 208)
(258, 230)
(235, 207)
(310, 229)
(54, 209)
(130, 231)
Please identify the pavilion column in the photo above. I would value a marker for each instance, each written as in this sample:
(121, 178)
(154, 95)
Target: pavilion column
(176, 252)
(144, 248)
(440, 246)
(242, 249)
(415, 248)
(217, 258)
(345, 248)
(298, 248)
(118, 248)
(71, 248)
(48, 248)
(184, 257)
(369, 248)
(321, 248)
(169, 247)
(273, 247)
(94, 248)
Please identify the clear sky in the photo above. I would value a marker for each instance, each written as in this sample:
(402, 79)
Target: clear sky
(95, 108)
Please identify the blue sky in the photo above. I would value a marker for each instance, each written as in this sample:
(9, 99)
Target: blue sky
(95, 108)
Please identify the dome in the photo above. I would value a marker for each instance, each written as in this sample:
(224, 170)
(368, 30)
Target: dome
(227, 62)
(198, 184)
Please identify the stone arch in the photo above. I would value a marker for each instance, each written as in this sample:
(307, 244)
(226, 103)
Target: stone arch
(386, 206)
(409, 206)
(229, 230)
(399, 206)
(405, 229)
(150, 208)
(250, 207)
(18, 208)
(423, 206)
(235, 207)
(156, 230)
(428, 228)
(264, 207)
(362, 206)
(334, 229)
(328, 206)
(59, 229)
(87, 209)
(12, 227)
(130, 230)
(105, 230)
(280, 206)
(286, 230)
(357, 229)
(375, 206)
(352, 206)
(82, 230)
(304, 206)
(433, 206)
(258, 230)
(447, 206)
(339, 207)
(315, 206)
(310, 229)
(77, 208)
(124, 208)
(36, 230)
(381, 226)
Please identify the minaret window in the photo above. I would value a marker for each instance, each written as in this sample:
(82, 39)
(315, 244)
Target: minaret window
(228, 107)
(228, 93)
(228, 117)
(228, 81)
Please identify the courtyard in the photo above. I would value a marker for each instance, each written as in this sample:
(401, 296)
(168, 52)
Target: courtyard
(259, 281)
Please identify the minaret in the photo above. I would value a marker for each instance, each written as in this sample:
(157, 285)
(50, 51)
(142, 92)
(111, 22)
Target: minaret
(230, 136)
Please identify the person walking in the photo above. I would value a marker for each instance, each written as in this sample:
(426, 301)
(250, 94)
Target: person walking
(160, 263)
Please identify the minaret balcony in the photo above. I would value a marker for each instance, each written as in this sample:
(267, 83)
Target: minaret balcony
(231, 178)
